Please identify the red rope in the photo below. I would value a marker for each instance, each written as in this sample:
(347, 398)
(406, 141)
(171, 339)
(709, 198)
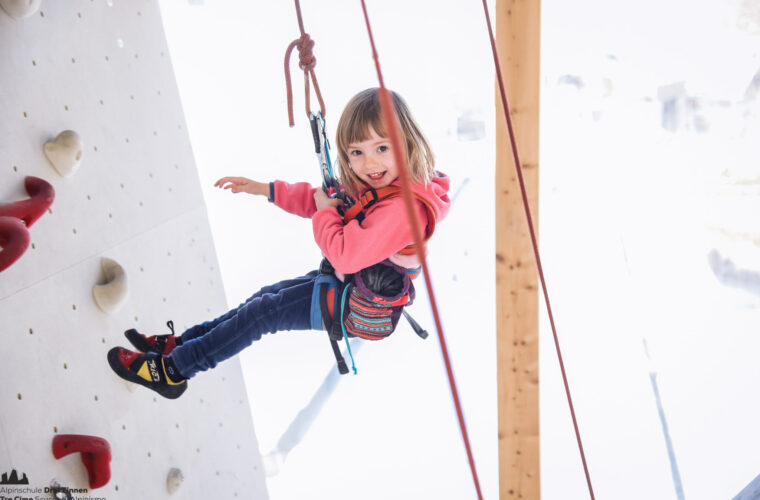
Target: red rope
(393, 127)
(307, 62)
(518, 168)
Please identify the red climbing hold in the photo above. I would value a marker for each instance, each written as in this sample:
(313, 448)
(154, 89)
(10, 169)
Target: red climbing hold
(14, 240)
(17, 217)
(96, 455)
(41, 194)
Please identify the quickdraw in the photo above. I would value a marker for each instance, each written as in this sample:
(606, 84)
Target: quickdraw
(322, 149)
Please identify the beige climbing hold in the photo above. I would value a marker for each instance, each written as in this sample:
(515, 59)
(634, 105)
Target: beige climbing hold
(65, 152)
(111, 295)
(19, 9)
(174, 480)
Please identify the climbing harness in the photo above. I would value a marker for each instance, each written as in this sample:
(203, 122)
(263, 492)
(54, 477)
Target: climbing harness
(367, 304)
(372, 196)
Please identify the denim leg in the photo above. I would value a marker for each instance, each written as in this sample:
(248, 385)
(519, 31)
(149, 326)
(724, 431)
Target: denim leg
(203, 328)
(281, 308)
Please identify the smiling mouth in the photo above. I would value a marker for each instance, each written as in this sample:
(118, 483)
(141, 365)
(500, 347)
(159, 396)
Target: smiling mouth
(376, 176)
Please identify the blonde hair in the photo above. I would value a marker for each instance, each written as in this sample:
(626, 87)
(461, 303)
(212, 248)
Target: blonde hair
(363, 112)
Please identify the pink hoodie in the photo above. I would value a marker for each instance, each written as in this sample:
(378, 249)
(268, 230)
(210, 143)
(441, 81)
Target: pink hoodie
(383, 233)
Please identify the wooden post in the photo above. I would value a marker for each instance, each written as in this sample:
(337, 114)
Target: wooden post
(518, 39)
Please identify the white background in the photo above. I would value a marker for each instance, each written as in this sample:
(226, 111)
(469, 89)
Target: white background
(629, 213)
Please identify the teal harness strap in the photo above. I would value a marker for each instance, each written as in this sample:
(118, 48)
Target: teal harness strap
(343, 326)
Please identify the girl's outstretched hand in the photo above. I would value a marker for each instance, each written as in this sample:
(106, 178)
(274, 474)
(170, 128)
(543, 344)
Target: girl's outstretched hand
(243, 185)
(322, 200)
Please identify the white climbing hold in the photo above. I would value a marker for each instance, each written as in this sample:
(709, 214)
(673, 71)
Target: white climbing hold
(65, 152)
(111, 295)
(174, 480)
(19, 9)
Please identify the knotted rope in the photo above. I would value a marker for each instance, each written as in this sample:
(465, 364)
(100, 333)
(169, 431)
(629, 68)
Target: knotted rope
(307, 62)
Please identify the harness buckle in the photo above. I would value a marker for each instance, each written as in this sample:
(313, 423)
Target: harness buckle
(375, 198)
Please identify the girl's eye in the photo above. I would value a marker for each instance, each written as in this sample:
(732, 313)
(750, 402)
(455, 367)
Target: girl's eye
(355, 152)
(383, 149)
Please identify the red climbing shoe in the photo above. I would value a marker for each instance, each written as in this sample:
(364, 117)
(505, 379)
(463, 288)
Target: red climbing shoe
(146, 369)
(162, 344)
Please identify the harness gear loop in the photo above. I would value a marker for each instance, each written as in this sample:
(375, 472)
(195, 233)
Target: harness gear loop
(421, 332)
(306, 61)
(329, 323)
(345, 335)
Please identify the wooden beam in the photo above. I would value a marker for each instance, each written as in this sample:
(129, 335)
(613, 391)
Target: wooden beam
(518, 40)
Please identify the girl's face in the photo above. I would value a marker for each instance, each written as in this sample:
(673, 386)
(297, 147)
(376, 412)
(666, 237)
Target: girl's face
(372, 160)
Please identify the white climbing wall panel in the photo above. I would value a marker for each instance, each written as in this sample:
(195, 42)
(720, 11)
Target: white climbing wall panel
(101, 68)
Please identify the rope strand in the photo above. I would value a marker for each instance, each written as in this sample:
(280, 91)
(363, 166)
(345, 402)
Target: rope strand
(393, 127)
(534, 241)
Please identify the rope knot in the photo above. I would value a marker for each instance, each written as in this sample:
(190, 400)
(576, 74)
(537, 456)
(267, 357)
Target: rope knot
(306, 59)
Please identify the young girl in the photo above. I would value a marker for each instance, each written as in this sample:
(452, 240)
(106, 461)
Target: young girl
(366, 165)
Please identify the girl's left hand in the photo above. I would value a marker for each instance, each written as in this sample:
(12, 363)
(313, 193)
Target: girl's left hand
(322, 200)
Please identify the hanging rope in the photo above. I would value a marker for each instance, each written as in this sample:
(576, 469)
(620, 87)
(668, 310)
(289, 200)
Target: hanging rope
(393, 127)
(518, 168)
(307, 62)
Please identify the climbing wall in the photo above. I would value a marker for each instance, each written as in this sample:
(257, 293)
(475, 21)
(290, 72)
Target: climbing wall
(129, 220)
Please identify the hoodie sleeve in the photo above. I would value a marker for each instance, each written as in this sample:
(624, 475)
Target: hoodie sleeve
(297, 199)
(353, 247)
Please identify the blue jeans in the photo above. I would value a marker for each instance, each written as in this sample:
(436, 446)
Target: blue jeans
(283, 306)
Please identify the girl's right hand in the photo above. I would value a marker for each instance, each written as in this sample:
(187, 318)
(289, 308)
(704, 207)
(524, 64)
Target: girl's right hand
(243, 185)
